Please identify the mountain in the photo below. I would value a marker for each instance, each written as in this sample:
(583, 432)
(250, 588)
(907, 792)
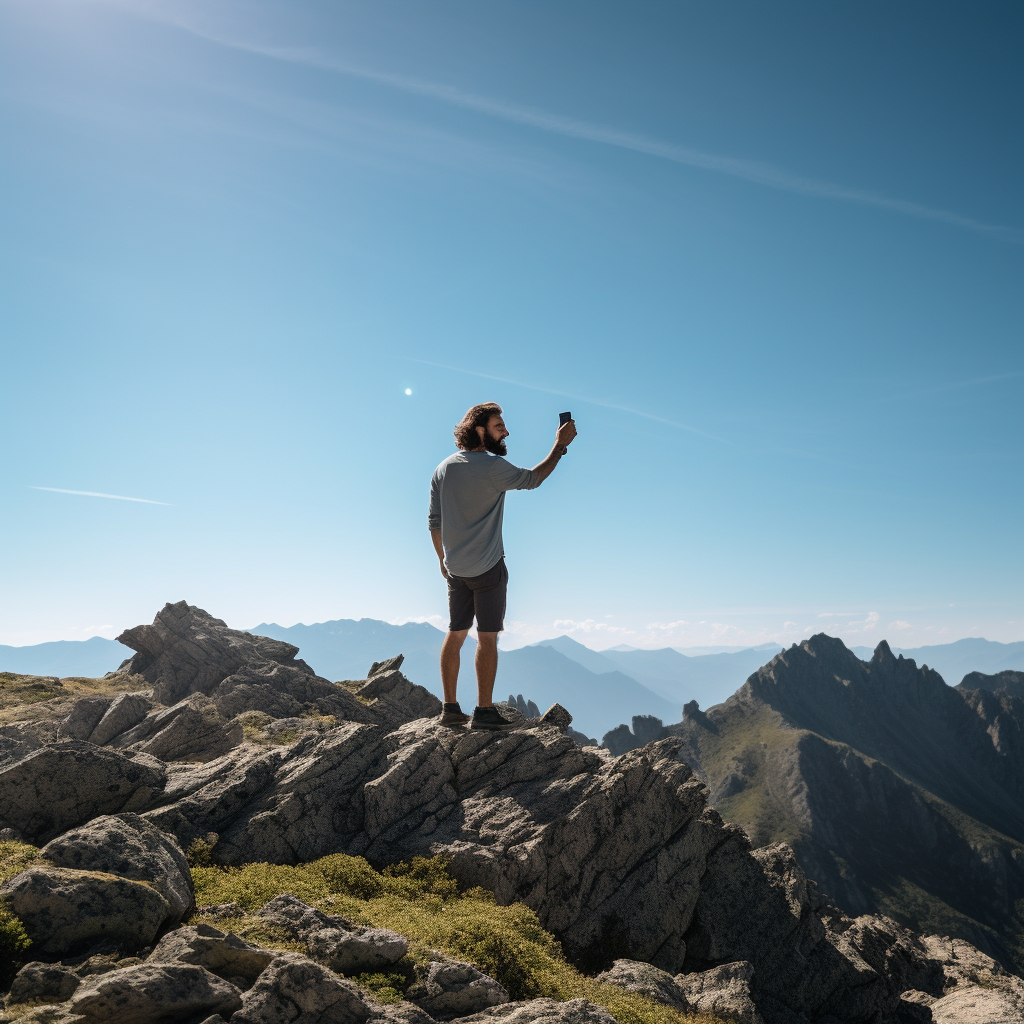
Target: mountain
(598, 701)
(675, 677)
(1006, 683)
(692, 652)
(901, 795)
(88, 658)
(953, 661)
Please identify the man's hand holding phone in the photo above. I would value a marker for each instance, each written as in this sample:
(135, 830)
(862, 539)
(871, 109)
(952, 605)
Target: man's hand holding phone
(566, 429)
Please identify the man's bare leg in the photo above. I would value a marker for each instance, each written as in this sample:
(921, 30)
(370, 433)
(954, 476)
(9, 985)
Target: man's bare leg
(486, 668)
(450, 661)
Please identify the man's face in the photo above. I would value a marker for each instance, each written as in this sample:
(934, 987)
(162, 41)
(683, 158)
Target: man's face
(493, 437)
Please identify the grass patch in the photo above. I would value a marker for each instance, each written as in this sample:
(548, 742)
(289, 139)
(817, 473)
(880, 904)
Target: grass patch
(14, 940)
(38, 698)
(422, 901)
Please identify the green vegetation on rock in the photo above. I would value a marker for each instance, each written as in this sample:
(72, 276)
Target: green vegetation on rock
(14, 940)
(422, 901)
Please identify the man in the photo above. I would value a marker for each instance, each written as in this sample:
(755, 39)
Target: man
(467, 502)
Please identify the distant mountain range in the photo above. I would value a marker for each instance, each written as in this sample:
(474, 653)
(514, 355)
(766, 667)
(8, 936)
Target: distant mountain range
(601, 689)
(89, 659)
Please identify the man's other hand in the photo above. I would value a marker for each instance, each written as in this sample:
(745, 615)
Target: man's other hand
(566, 433)
(444, 571)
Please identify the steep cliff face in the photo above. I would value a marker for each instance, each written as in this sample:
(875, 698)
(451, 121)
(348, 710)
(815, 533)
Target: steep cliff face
(900, 794)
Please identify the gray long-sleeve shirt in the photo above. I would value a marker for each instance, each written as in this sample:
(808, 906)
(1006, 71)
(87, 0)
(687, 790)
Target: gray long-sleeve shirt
(467, 504)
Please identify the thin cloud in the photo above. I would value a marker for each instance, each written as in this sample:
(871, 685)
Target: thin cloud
(569, 127)
(98, 494)
(575, 398)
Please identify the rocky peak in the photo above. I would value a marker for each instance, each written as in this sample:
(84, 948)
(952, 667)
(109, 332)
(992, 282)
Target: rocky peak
(906, 716)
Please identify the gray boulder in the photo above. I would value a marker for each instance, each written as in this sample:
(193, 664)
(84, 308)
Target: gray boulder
(345, 947)
(64, 910)
(543, 1011)
(125, 711)
(19, 740)
(149, 993)
(63, 785)
(448, 988)
(636, 976)
(221, 953)
(44, 983)
(295, 990)
(82, 719)
(132, 847)
(723, 991)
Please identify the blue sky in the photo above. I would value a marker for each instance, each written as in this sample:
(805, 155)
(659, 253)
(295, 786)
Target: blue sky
(769, 256)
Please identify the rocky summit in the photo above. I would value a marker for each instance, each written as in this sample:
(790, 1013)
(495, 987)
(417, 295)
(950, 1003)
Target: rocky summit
(229, 745)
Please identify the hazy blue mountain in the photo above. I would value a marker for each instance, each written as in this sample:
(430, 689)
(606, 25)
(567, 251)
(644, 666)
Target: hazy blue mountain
(346, 648)
(694, 652)
(598, 701)
(90, 658)
(677, 678)
(595, 661)
(954, 661)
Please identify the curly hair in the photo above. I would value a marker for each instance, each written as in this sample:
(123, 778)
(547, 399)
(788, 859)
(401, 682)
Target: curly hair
(466, 436)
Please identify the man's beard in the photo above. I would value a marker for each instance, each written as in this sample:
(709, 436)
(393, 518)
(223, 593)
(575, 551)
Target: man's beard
(494, 446)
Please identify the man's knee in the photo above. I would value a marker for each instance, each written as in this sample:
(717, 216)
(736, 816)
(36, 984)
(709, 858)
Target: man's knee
(456, 637)
(487, 640)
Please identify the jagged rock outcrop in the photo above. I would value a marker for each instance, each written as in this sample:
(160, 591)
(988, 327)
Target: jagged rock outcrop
(186, 650)
(646, 729)
(71, 782)
(191, 730)
(976, 990)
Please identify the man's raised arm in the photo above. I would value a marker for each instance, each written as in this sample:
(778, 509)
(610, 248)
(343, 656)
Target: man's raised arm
(563, 438)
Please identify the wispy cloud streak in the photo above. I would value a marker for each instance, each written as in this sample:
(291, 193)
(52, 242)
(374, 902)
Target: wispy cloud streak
(98, 494)
(574, 128)
(576, 398)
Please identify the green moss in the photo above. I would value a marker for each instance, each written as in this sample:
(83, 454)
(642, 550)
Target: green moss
(385, 988)
(422, 901)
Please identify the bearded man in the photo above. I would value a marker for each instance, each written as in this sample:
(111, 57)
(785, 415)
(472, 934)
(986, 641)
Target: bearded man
(467, 504)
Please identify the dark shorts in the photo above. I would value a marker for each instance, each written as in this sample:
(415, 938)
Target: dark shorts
(482, 596)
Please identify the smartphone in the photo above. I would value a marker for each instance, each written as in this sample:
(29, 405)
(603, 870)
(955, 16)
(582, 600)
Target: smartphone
(564, 417)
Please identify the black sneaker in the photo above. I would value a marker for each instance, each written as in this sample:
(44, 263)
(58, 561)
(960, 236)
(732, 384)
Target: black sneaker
(490, 718)
(453, 716)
